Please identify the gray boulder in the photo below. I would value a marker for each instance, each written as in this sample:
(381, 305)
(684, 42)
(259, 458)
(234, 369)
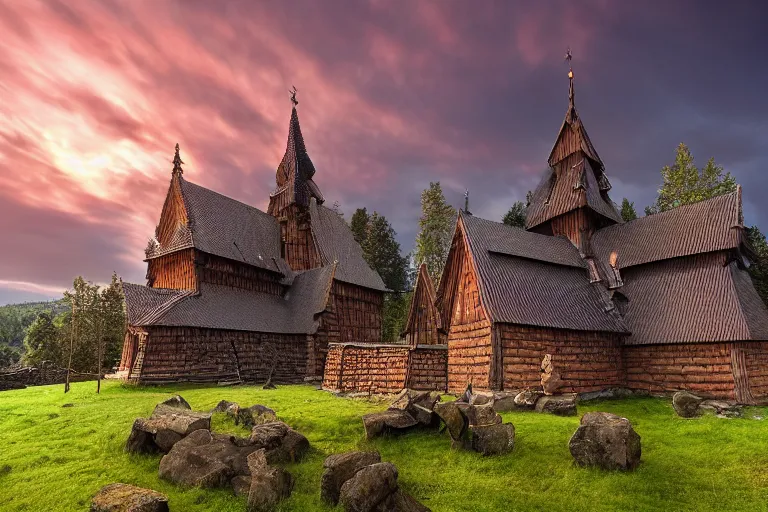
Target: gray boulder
(399, 501)
(722, 408)
(281, 442)
(504, 401)
(269, 485)
(606, 441)
(178, 402)
(369, 487)
(141, 439)
(686, 404)
(492, 439)
(167, 426)
(179, 420)
(128, 498)
(455, 421)
(241, 485)
(206, 460)
(222, 406)
(419, 404)
(527, 399)
(560, 405)
(339, 468)
(387, 422)
(255, 415)
(483, 415)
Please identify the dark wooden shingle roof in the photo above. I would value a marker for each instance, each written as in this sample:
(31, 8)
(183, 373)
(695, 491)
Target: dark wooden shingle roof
(336, 242)
(706, 226)
(538, 280)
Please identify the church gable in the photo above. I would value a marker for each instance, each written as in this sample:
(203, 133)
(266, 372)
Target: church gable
(423, 326)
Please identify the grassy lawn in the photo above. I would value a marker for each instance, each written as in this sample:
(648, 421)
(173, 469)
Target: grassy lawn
(54, 458)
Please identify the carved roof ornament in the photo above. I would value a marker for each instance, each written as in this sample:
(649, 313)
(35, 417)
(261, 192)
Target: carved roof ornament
(571, 106)
(466, 202)
(293, 96)
(177, 162)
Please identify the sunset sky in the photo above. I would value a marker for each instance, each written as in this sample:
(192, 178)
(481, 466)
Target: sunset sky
(393, 95)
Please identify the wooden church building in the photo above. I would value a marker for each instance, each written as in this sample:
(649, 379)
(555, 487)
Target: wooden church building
(659, 304)
(234, 293)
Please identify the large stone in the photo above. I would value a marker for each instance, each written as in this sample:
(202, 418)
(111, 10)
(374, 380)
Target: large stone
(181, 421)
(166, 438)
(481, 398)
(241, 485)
(178, 402)
(686, 404)
(560, 405)
(722, 408)
(387, 422)
(527, 399)
(455, 421)
(269, 485)
(128, 498)
(492, 439)
(369, 487)
(399, 501)
(504, 401)
(418, 404)
(606, 441)
(341, 467)
(206, 460)
(141, 439)
(484, 415)
(281, 442)
(222, 406)
(255, 415)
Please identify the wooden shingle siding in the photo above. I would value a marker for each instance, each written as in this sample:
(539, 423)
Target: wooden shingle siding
(586, 361)
(235, 274)
(175, 270)
(357, 313)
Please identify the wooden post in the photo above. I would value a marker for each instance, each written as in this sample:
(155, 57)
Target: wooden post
(71, 344)
(99, 340)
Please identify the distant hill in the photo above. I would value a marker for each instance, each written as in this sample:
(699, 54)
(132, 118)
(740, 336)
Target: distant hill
(16, 318)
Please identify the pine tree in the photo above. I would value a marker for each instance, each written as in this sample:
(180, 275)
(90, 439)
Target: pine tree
(359, 224)
(515, 217)
(628, 212)
(382, 252)
(684, 183)
(758, 270)
(435, 230)
(42, 342)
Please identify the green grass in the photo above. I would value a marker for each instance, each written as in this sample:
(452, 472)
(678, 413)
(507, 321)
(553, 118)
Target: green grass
(54, 458)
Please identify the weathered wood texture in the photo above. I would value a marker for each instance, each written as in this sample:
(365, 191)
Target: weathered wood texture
(385, 368)
(423, 326)
(174, 214)
(756, 356)
(428, 368)
(299, 248)
(208, 355)
(586, 361)
(469, 331)
(703, 368)
(357, 313)
(575, 225)
(374, 368)
(223, 271)
(174, 270)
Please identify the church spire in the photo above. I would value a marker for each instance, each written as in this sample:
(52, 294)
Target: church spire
(177, 162)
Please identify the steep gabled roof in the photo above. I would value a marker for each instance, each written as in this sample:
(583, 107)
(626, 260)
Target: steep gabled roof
(423, 307)
(706, 226)
(144, 305)
(538, 283)
(335, 242)
(223, 307)
(692, 300)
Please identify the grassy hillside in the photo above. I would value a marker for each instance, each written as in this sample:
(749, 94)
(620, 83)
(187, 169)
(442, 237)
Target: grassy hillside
(16, 318)
(54, 458)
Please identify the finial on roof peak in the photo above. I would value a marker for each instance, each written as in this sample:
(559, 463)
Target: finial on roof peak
(293, 96)
(466, 202)
(177, 161)
(569, 58)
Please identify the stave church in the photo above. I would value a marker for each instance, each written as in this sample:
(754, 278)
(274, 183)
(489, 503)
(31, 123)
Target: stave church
(657, 304)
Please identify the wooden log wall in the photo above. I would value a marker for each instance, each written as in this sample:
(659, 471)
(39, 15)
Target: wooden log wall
(182, 354)
(428, 368)
(175, 270)
(469, 356)
(756, 355)
(223, 271)
(299, 246)
(703, 368)
(357, 312)
(372, 368)
(586, 361)
(574, 225)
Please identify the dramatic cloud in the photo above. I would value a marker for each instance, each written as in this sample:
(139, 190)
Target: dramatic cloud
(94, 95)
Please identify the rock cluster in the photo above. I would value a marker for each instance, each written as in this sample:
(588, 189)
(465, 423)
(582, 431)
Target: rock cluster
(409, 410)
(169, 423)
(476, 427)
(688, 405)
(196, 457)
(362, 483)
(525, 400)
(605, 441)
(127, 498)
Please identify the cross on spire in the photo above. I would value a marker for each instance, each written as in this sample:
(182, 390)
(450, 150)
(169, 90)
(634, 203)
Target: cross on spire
(177, 162)
(569, 58)
(293, 96)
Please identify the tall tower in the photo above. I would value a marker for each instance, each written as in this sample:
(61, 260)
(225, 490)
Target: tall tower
(572, 198)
